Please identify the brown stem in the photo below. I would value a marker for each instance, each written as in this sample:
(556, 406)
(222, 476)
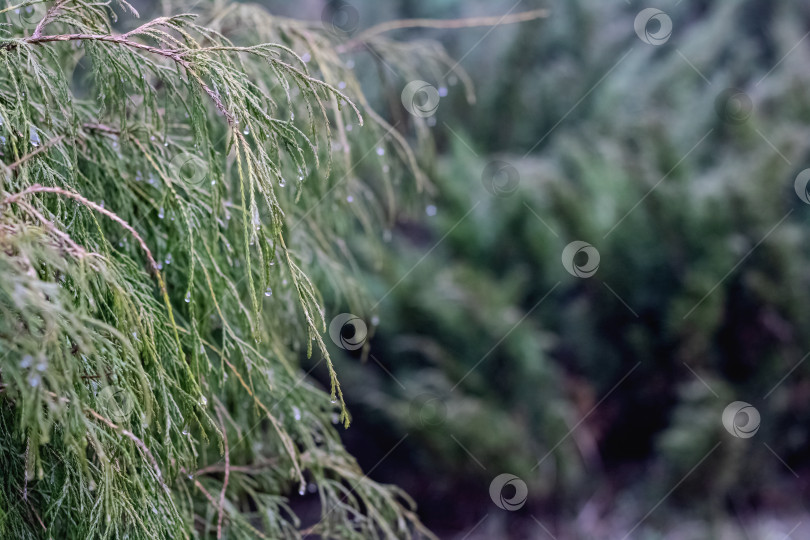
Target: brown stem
(39, 150)
(49, 15)
(227, 475)
(441, 23)
(139, 443)
(37, 188)
(171, 54)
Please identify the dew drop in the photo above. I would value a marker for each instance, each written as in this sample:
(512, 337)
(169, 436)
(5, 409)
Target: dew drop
(168, 258)
(34, 137)
(430, 210)
(161, 213)
(442, 91)
(301, 491)
(342, 85)
(247, 131)
(42, 366)
(282, 182)
(188, 297)
(297, 413)
(380, 151)
(25, 363)
(203, 401)
(350, 199)
(268, 292)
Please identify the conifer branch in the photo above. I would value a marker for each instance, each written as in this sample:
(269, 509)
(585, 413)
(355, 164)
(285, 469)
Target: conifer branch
(39, 150)
(36, 188)
(470, 22)
(171, 54)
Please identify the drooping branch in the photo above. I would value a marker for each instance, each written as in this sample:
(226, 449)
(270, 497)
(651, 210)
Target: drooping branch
(39, 150)
(37, 188)
(471, 22)
(172, 54)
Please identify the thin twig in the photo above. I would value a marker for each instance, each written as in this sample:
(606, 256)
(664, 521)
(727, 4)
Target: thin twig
(227, 474)
(37, 188)
(214, 503)
(49, 15)
(441, 23)
(138, 442)
(172, 54)
(256, 468)
(39, 150)
(78, 251)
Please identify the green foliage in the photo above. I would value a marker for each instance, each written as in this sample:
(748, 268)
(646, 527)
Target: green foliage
(164, 192)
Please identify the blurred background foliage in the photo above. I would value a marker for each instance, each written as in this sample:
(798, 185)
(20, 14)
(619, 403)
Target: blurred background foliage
(603, 394)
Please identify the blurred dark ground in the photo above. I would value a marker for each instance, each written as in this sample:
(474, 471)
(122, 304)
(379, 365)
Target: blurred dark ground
(677, 162)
